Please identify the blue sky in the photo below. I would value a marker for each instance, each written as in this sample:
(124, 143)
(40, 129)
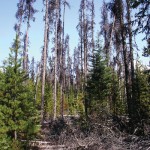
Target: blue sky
(7, 34)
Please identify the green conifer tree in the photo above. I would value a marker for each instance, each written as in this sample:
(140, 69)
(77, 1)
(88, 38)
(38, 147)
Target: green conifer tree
(98, 84)
(142, 92)
(18, 114)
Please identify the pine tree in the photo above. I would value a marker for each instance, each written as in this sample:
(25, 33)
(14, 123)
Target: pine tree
(19, 16)
(105, 29)
(142, 16)
(44, 58)
(28, 15)
(62, 59)
(142, 94)
(19, 116)
(98, 84)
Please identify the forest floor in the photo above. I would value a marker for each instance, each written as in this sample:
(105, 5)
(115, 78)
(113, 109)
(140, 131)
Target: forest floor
(74, 133)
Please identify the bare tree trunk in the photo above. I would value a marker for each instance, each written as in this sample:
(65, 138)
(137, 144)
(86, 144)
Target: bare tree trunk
(44, 62)
(56, 49)
(111, 35)
(62, 67)
(130, 44)
(134, 103)
(81, 39)
(127, 75)
(105, 30)
(36, 83)
(92, 24)
(85, 52)
(19, 17)
(25, 53)
(85, 41)
(15, 135)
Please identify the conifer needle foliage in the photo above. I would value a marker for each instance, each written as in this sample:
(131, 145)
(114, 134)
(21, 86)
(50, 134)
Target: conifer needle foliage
(18, 116)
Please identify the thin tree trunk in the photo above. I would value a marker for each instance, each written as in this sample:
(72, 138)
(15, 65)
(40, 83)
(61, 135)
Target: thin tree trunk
(15, 135)
(44, 62)
(36, 83)
(62, 67)
(134, 106)
(81, 44)
(111, 35)
(25, 54)
(127, 85)
(56, 49)
(25, 62)
(93, 44)
(85, 41)
(130, 44)
(85, 53)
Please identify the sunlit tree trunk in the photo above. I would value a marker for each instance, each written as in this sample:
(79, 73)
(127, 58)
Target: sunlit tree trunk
(126, 67)
(130, 45)
(25, 52)
(44, 60)
(85, 39)
(105, 29)
(92, 25)
(81, 41)
(62, 67)
(28, 15)
(56, 54)
(62, 64)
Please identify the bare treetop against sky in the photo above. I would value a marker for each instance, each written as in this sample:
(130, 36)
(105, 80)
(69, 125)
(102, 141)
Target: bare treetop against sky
(7, 34)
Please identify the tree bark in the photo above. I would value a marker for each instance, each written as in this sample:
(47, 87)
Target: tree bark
(92, 24)
(44, 62)
(56, 52)
(130, 44)
(126, 67)
(25, 53)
